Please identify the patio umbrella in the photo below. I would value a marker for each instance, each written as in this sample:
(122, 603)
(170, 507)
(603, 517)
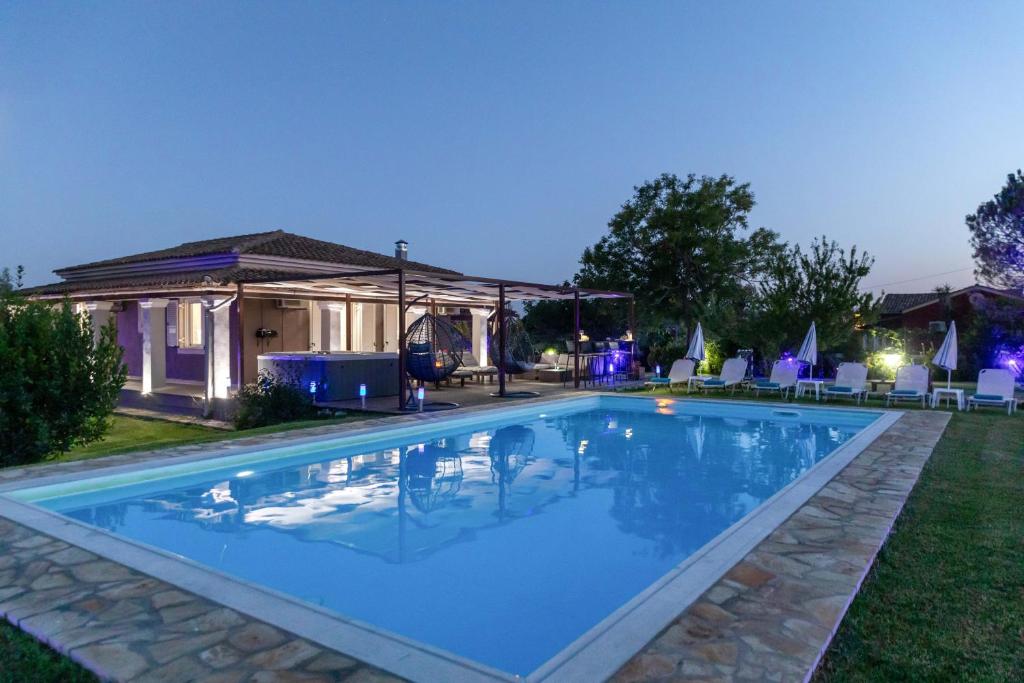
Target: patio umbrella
(946, 356)
(809, 349)
(696, 350)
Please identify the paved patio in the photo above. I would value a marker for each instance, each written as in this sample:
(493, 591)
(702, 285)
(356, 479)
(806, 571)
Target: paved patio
(769, 618)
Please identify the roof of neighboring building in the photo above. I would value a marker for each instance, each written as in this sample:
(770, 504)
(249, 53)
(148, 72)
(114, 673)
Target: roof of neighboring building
(274, 243)
(895, 304)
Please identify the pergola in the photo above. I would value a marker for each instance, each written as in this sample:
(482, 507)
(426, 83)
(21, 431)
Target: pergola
(409, 287)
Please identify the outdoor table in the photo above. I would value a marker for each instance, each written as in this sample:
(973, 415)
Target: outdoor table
(803, 385)
(949, 393)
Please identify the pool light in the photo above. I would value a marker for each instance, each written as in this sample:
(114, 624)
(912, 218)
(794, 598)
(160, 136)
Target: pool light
(245, 473)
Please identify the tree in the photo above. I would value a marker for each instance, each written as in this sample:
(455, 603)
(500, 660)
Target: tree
(821, 284)
(997, 235)
(678, 245)
(58, 386)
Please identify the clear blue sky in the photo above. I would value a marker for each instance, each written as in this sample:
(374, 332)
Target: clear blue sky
(498, 138)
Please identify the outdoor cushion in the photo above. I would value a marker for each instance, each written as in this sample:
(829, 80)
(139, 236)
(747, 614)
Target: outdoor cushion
(714, 382)
(905, 392)
(659, 380)
(989, 397)
(840, 390)
(767, 385)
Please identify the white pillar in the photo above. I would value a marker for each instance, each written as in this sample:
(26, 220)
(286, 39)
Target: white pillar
(217, 338)
(99, 315)
(332, 325)
(480, 316)
(153, 314)
(357, 327)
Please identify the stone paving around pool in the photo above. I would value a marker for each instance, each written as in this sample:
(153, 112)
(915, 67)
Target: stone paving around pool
(771, 617)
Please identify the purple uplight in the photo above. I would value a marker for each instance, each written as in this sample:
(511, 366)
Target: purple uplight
(1012, 360)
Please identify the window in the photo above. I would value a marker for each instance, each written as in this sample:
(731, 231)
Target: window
(190, 325)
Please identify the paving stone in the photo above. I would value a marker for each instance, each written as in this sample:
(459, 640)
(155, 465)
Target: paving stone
(256, 636)
(220, 656)
(285, 656)
(181, 669)
(331, 661)
(110, 661)
(70, 556)
(171, 597)
(100, 571)
(167, 650)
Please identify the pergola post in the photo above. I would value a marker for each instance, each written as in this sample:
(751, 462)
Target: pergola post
(501, 340)
(401, 339)
(241, 334)
(632, 333)
(576, 337)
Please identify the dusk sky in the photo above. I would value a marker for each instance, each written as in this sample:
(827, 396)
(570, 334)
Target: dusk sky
(498, 138)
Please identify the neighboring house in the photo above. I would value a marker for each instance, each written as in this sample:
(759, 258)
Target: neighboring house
(192, 319)
(933, 311)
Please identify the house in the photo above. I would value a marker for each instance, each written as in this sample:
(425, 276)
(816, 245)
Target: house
(932, 311)
(194, 319)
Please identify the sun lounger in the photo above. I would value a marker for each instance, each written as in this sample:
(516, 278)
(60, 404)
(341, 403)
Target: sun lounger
(911, 385)
(679, 373)
(782, 379)
(850, 379)
(995, 388)
(733, 372)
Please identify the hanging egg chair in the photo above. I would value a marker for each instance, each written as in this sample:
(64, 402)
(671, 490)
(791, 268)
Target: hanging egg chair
(433, 476)
(518, 347)
(435, 349)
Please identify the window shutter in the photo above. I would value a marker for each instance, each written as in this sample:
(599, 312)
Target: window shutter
(172, 323)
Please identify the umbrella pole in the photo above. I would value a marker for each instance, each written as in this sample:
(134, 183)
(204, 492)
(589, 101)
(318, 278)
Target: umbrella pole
(949, 377)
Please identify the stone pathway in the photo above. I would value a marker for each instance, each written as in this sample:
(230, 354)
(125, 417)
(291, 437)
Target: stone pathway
(771, 617)
(127, 626)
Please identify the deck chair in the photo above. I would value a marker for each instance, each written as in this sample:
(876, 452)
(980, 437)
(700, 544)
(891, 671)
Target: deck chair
(850, 379)
(911, 385)
(733, 372)
(680, 373)
(995, 388)
(782, 379)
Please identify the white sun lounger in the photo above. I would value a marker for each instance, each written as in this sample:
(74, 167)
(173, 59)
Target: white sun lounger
(911, 385)
(732, 374)
(679, 373)
(995, 388)
(782, 379)
(850, 379)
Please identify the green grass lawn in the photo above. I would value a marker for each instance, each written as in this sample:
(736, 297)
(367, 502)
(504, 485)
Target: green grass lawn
(945, 600)
(138, 434)
(24, 659)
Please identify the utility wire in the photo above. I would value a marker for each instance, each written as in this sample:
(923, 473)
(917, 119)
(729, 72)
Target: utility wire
(916, 279)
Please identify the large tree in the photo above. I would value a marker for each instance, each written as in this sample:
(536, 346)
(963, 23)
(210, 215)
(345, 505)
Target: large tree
(997, 235)
(820, 284)
(681, 245)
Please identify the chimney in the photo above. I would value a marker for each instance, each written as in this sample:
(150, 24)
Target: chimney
(402, 250)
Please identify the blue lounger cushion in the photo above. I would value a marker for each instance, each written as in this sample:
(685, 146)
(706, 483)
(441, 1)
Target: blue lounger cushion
(767, 385)
(714, 382)
(905, 392)
(840, 390)
(989, 397)
(659, 380)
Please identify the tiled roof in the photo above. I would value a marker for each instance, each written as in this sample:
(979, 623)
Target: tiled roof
(894, 304)
(274, 243)
(154, 280)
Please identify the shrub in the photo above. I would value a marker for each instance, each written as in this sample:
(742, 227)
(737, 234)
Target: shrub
(58, 385)
(666, 353)
(272, 399)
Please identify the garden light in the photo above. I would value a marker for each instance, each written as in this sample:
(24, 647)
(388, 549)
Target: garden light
(362, 395)
(312, 388)
(420, 394)
(892, 360)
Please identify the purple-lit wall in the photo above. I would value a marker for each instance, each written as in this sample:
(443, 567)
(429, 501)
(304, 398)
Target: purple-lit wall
(181, 365)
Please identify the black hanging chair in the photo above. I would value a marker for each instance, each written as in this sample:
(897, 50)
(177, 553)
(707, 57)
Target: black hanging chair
(435, 349)
(518, 347)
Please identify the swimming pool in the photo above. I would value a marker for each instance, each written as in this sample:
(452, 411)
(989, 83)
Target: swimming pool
(514, 538)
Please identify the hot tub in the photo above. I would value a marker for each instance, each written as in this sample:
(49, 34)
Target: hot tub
(336, 375)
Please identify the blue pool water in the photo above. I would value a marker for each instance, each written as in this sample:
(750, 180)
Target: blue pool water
(501, 541)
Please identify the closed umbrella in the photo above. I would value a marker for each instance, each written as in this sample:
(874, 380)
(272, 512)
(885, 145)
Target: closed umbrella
(696, 350)
(809, 349)
(946, 356)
